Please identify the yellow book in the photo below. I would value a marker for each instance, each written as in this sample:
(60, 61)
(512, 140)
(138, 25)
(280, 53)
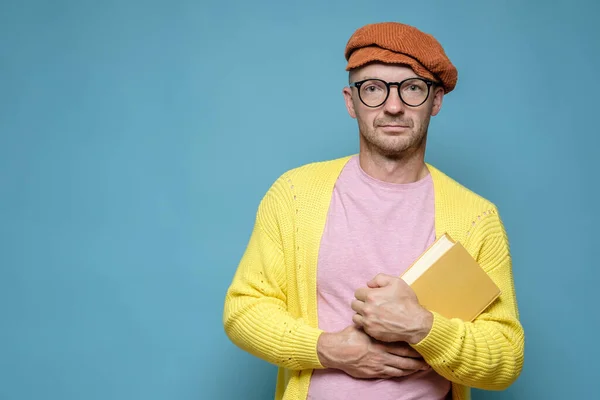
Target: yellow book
(449, 281)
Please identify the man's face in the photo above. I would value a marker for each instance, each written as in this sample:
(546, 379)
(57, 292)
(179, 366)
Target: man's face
(393, 128)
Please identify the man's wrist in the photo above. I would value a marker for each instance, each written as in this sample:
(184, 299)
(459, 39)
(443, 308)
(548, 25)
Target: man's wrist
(425, 323)
(325, 345)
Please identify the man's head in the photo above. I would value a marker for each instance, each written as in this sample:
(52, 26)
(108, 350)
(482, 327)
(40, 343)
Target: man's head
(394, 119)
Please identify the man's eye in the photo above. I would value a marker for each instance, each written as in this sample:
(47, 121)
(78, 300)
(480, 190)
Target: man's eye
(372, 88)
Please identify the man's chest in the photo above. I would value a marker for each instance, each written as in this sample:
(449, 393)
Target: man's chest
(363, 238)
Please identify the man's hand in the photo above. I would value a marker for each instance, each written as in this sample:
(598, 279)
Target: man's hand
(388, 310)
(354, 352)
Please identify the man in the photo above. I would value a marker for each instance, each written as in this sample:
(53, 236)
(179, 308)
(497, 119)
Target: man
(318, 292)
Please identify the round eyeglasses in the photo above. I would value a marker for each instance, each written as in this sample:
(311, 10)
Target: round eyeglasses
(374, 92)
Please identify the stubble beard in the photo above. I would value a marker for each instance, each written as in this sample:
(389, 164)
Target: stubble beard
(394, 146)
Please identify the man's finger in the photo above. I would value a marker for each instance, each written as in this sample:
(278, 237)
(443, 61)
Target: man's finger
(402, 349)
(358, 306)
(396, 372)
(380, 280)
(407, 363)
(361, 294)
(358, 320)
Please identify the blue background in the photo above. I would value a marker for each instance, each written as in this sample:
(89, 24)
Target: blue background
(137, 138)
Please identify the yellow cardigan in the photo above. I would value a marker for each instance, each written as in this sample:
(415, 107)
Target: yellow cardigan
(271, 306)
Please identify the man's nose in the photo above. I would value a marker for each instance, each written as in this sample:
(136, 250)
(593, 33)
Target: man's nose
(394, 104)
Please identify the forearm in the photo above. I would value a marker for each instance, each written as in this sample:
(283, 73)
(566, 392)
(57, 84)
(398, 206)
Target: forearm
(262, 327)
(487, 354)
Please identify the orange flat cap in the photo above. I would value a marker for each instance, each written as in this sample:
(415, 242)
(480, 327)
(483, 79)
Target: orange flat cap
(397, 43)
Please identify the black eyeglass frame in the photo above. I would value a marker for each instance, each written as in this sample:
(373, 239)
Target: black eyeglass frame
(358, 84)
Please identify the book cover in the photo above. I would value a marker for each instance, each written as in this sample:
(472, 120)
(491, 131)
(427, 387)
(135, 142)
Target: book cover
(449, 281)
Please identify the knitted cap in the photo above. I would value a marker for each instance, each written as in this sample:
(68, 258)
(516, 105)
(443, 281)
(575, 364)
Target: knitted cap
(397, 43)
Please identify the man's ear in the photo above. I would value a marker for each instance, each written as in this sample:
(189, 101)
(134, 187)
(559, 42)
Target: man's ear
(438, 96)
(347, 92)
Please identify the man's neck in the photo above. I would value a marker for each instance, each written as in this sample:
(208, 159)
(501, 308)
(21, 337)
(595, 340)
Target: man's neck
(401, 169)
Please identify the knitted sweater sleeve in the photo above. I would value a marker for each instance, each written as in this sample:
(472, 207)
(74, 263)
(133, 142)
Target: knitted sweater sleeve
(487, 353)
(255, 313)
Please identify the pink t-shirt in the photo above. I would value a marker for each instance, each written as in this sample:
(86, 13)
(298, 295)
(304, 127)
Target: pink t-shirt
(372, 227)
